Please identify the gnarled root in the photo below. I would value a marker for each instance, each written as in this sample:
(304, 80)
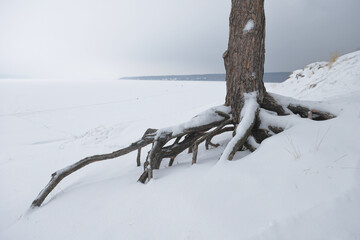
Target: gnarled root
(190, 132)
(57, 176)
(257, 122)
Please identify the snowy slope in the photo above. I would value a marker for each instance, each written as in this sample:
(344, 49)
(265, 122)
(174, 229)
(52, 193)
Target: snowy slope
(300, 184)
(323, 80)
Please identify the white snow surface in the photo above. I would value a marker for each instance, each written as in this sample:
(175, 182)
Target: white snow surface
(300, 184)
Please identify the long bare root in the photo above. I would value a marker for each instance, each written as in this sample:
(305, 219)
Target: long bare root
(257, 122)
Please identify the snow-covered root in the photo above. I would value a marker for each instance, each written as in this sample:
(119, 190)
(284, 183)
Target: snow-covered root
(274, 115)
(206, 136)
(306, 109)
(243, 130)
(251, 144)
(210, 137)
(278, 113)
(57, 176)
(199, 129)
(190, 131)
(257, 122)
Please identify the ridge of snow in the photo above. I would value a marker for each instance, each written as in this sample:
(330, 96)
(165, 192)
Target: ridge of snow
(323, 80)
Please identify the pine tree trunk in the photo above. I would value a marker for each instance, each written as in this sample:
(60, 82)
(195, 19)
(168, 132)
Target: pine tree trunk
(245, 56)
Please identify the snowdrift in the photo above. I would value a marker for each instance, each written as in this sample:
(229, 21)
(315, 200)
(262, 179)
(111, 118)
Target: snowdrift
(323, 80)
(300, 184)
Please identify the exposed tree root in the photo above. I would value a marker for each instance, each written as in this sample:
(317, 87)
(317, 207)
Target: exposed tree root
(257, 122)
(57, 176)
(286, 105)
(251, 144)
(243, 130)
(210, 137)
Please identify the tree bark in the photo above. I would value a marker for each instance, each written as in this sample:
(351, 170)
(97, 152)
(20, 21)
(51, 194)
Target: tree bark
(245, 56)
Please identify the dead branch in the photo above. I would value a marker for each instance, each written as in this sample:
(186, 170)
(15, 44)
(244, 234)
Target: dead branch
(271, 103)
(206, 136)
(57, 176)
(304, 112)
(138, 157)
(171, 161)
(213, 134)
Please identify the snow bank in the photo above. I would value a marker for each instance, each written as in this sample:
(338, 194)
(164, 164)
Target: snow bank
(300, 184)
(323, 80)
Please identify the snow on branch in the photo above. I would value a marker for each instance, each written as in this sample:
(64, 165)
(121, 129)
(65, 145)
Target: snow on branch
(208, 117)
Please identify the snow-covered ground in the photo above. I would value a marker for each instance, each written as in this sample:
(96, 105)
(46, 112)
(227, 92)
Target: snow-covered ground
(301, 184)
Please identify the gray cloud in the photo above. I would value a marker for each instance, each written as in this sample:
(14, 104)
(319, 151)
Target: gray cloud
(300, 32)
(88, 38)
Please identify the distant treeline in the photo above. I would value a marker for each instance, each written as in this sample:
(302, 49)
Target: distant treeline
(268, 77)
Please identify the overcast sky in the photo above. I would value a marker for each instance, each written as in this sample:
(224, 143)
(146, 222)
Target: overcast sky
(114, 38)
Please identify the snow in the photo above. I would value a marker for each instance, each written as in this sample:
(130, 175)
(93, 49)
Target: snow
(300, 184)
(249, 26)
(323, 80)
(203, 118)
(252, 142)
(285, 122)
